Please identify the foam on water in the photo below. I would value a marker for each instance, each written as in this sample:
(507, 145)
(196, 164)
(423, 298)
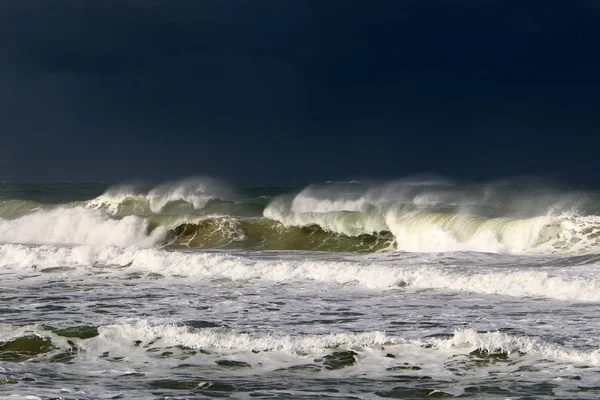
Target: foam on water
(123, 339)
(230, 340)
(556, 284)
(462, 341)
(78, 226)
(433, 232)
(493, 342)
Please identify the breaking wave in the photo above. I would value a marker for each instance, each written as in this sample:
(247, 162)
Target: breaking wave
(266, 234)
(577, 284)
(349, 217)
(421, 231)
(443, 219)
(79, 226)
(141, 339)
(176, 197)
(502, 344)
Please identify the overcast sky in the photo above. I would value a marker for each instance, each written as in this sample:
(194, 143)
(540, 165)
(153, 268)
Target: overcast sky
(299, 91)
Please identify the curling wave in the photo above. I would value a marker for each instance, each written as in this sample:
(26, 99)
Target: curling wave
(188, 195)
(332, 232)
(406, 216)
(443, 220)
(266, 234)
(419, 231)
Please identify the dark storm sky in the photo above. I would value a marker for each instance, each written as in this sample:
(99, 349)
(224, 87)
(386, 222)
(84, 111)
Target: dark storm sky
(299, 90)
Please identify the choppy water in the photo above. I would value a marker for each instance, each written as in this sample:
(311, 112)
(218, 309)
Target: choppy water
(399, 290)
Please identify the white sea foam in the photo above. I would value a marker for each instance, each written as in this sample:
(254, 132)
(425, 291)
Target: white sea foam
(519, 283)
(462, 341)
(78, 226)
(342, 222)
(172, 335)
(432, 232)
(199, 265)
(493, 342)
(317, 199)
(122, 337)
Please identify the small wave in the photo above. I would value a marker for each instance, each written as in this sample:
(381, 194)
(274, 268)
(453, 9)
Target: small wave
(548, 283)
(502, 343)
(462, 341)
(142, 339)
(223, 340)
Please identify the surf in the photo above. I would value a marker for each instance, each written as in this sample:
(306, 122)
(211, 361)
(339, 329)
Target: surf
(408, 216)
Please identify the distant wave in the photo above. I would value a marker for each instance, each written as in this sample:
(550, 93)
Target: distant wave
(334, 217)
(334, 231)
(435, 231)
(444, 219)
(180, 196)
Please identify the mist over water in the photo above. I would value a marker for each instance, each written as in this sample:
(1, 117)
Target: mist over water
(405, 215)
(194, 289)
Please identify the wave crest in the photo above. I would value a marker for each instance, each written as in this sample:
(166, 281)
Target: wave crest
(187, 195)
(440, 219)
(79, 226)
(265, 234)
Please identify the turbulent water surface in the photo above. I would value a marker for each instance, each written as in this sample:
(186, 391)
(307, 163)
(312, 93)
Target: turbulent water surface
(193, 289)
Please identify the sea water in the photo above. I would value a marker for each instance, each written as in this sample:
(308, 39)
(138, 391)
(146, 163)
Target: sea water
(343, 290)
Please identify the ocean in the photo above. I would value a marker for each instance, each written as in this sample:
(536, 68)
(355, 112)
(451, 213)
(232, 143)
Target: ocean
(409, 289)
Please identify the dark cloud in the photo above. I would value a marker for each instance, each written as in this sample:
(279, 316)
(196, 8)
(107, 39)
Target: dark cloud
(278, 91)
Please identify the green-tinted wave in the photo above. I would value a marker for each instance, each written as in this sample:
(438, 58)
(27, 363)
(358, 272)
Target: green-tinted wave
(265, 234)
(16, 208)
(24, 347)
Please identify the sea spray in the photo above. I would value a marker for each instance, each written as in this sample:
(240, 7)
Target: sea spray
(79, 226)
